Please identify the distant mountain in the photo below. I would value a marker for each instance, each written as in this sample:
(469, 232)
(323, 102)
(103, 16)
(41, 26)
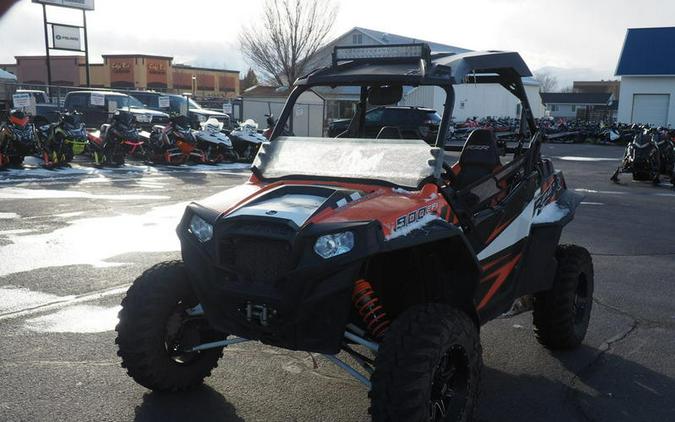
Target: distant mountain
(566, 76)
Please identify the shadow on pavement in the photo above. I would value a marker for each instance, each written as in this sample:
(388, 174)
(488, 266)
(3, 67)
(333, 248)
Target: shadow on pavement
(202, 404)
(605, 387)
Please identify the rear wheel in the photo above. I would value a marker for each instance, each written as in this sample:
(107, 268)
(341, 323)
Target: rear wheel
(428, 367)
(155, 332)
(16, 160)
(561, 315)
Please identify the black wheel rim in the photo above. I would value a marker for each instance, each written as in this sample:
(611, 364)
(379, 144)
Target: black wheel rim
(580, 303)
(450, 386)
(182, 333)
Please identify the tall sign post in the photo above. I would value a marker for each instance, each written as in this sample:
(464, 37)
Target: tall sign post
(66, 37)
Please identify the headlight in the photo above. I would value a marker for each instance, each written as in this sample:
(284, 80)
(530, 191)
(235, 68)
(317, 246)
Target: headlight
(202, 230)
(330, 245)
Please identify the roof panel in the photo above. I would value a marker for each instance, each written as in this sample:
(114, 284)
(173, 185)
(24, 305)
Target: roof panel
(575, 98)
(648, 51)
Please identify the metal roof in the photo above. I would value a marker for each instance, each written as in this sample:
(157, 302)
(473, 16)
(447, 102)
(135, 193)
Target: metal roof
(441, 69)
(648, 51)
(576, 98)
(388, 38)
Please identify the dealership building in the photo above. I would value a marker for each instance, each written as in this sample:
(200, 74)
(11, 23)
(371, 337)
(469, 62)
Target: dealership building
(647, 70)
(127, 71)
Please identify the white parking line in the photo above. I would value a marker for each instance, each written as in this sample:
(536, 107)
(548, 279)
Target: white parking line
(589, 159)
(47, 302)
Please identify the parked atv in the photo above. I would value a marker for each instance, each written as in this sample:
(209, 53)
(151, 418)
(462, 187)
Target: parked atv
(641, 158)
(17, 139)
(246, 140)
(215, 144)
(65, 139)
(116, 140)
(174, 143)
(666, 153)
(373, 247)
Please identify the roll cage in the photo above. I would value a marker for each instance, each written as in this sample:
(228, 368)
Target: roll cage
(418, 66)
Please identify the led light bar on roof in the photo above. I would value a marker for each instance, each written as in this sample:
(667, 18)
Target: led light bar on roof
(389, 52)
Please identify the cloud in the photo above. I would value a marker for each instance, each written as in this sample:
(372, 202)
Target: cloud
(579, 36)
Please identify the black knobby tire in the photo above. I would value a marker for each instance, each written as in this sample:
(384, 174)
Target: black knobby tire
(16, 160)
(561, 315)
(149, 310)
(413, 357)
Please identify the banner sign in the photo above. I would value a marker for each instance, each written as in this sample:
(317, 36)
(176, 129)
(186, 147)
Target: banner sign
(163, 102)
(21, 100)
(66, 37)
(97, 99)
(74, 4)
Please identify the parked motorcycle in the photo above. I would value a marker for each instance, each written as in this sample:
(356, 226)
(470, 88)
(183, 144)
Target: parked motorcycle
(17, 139)
(174, 143)
(246, 140)
(213, 142)
(68, 138)
(117, 139)
(666, 148)
(641, 158)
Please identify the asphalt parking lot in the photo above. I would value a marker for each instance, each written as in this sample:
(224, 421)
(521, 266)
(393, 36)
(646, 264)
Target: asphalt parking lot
(72, 241)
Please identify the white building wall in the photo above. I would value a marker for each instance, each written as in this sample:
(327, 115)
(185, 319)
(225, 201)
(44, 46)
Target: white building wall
(480, 100)
(631, 85)
(308, 113)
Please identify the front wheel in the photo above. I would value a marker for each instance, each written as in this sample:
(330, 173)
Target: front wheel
(155, 333)
(428, 367)
(561, 314)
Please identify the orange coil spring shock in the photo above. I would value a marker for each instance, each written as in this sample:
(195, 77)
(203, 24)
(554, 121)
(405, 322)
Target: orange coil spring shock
(368, 306)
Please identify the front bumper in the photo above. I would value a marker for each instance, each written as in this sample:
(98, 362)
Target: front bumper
(272, 287)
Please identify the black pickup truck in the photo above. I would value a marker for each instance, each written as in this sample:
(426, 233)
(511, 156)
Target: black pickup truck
(195, 112)
(95, 115)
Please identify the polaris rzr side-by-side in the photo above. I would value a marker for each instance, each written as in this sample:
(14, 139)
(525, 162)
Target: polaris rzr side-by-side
(375, 253)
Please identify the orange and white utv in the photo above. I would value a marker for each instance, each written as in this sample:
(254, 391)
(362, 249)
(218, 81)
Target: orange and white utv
(371, 249)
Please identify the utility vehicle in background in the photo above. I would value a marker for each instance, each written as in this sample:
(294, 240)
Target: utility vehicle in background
(374, 249)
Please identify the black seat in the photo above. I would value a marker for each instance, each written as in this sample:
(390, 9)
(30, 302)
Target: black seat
(479, 158)
(389, 132)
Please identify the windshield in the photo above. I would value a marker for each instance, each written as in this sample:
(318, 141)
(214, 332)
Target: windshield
(175, 101)
(124, 101)
(401, 162)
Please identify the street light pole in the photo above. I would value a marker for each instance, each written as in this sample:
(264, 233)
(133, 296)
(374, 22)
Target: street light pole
(86, 47)
(49, 68)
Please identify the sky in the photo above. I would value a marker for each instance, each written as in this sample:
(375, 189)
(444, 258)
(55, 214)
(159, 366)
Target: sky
(571, 39)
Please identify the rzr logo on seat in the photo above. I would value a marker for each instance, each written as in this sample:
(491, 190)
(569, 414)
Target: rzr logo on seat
(478, 147)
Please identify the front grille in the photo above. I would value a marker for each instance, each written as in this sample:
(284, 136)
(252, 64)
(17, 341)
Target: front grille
(256, 259)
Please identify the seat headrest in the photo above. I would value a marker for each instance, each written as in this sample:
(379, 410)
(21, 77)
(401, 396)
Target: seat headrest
(480, 148)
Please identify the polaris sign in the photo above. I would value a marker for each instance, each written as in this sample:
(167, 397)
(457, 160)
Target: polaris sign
(75, 4)
(66, 37)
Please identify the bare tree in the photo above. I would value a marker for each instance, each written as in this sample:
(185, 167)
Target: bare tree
(547, 82)
(290, 34)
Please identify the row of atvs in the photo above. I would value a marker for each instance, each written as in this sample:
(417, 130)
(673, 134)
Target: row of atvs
(176, 143)
(650, 154)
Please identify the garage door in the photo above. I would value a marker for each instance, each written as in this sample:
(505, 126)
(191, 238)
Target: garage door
(651, 109)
